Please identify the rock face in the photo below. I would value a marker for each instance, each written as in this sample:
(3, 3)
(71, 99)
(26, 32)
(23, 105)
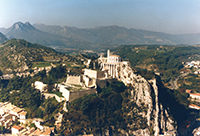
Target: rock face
(147, 93)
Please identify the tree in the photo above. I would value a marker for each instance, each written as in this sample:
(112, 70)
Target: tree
(1, 73)
(2, 129)
(182, 90)
(91, 65)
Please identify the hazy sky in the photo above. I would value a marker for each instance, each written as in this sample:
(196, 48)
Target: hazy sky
(170, 16)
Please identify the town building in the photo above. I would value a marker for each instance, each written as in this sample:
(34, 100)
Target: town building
(40, 86)
(16, 129)
(192, 106)
(10, 113)
(188, 91)
(71, 95)
(195, 96)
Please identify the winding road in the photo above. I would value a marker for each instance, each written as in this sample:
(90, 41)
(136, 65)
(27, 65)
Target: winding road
(174, 83)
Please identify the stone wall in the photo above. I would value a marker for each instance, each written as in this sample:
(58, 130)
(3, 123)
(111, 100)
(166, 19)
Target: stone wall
(73, 80)
(64, 92)
(59, 99)
(72, 95)
(100, 74)
(76, 94)
(90, 73)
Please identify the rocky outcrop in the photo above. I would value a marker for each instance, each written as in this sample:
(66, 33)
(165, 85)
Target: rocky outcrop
(147, 93)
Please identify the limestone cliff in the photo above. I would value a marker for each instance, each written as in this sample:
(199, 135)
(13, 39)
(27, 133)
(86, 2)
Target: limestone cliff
(147, 93)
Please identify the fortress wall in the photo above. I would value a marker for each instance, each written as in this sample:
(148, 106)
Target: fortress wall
(73, 80)
(100, 74)
(59, 99)
(76, 94)
(90, 73)
(64, 92)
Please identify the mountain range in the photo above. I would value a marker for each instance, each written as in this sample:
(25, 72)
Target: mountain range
(26, 31)
(71, 38)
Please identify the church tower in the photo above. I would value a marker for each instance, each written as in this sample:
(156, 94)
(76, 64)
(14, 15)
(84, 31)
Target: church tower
(108, 55)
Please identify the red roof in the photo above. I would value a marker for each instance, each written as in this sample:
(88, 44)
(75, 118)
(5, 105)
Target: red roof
(188, 91)
(197, 94)
(23, 113)
(17, 127)
(195, 106)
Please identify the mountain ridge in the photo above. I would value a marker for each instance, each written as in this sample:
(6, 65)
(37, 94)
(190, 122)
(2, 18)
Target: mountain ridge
(28, 32)
(103, 37)
(188, 38)
(133, 36)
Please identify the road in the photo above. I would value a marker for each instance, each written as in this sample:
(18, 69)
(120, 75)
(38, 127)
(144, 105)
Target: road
(174, 83)
(193, 128)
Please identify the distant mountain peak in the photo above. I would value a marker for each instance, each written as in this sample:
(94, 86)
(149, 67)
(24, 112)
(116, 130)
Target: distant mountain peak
(28, 24)
(19, 26)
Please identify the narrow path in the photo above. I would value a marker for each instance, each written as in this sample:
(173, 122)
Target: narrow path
(172, 84)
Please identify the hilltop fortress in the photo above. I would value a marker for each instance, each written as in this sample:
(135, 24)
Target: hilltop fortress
(145, 93)
(87, 83)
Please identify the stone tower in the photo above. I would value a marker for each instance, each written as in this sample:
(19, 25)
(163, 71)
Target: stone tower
(108, 55)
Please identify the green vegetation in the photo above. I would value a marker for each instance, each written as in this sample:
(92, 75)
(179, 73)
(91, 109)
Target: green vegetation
(99, 112)
(20, 93)
(17, 53)
(2, 129)
(56, 74)
(51, 108)
(112, 108)
(41, 64)
(165, 59)
(57, 93)
(191, 81)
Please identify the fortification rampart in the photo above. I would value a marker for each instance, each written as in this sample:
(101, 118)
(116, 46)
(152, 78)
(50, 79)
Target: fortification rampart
(76, 94)
(71, 79)
(59, 99)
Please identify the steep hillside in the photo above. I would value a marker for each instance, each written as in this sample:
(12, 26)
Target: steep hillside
(143, 108)
(163, 116)
(3, 38)
(19, 54)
